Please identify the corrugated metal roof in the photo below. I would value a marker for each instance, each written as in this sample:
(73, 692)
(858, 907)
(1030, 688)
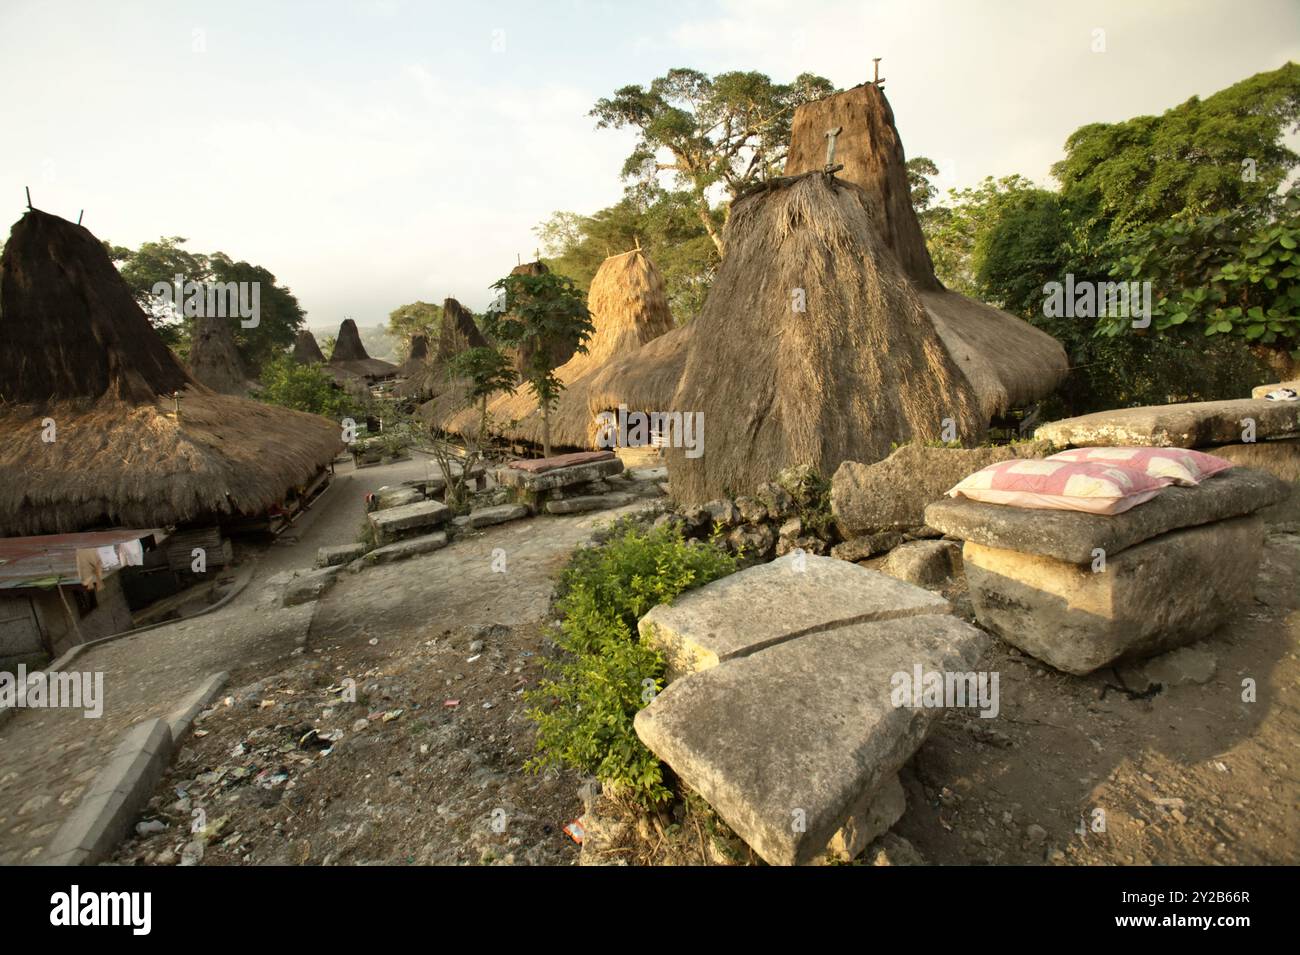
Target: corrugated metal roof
(52, 558)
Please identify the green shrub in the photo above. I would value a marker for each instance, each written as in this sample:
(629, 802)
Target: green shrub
(302, 388)
(585, 707)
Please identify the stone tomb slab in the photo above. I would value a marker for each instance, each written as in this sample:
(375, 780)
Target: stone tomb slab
(1197, 424)
(397, 522)
(557, 461)
(1072, 536)
(562, 477)
(773, 602)
(1160, 594)
(791, 743)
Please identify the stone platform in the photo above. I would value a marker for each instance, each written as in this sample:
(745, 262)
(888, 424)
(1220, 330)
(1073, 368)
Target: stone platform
(782, 716)
(1081, 591)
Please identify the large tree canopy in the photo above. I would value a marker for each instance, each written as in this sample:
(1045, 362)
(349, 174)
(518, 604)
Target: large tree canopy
(729, 130)
(279, 314)
(1203, 157)
(664, 224)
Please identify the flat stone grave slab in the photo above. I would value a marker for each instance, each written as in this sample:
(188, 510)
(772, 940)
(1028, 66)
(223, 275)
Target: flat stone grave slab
(1072, 536)
(1259, 391)
(387, 497)
(787, 743)
(769, 603)
(411, 547)
(397, 522)
(1167, 591)
(487, 516)
(561, 477)
(1198, 424)
(557, 461)
(339, 554)
(588, 502)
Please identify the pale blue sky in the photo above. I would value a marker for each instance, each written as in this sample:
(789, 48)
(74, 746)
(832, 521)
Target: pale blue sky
(375, 152)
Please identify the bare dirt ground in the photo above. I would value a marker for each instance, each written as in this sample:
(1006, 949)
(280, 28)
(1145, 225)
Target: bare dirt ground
(427, 765)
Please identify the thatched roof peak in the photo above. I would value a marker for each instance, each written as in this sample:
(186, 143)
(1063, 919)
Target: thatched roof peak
(458, 332)
(214, 359)
(305, 349)
(348, 346)
(69, 325)
(871, 152)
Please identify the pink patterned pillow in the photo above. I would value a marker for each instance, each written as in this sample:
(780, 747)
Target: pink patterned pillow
(1089, 486)
(1183, 467)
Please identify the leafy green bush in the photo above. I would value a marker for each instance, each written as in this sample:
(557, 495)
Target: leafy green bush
(585, 707)
(302, 388)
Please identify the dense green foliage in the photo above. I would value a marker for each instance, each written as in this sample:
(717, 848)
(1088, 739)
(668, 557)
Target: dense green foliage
(585, 707)
(280, 315)
(728, 131)
(664, 224)
(543, 315)
(302, 388)
(1222, 274)
(417, 318)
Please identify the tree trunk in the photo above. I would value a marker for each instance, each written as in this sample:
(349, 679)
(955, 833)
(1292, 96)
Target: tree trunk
(709, 227)
(546, 431)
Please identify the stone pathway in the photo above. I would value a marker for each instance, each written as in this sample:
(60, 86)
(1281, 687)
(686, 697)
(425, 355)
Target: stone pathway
(48, 757)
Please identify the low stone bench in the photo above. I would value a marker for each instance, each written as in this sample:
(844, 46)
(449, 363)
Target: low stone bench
(1199, 424)
(408, 520)
(781, 716)
(1080, 591)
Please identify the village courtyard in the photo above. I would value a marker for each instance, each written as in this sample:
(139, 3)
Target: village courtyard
(748, 490)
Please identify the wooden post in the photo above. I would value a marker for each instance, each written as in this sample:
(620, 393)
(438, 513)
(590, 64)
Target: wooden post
(76, 628)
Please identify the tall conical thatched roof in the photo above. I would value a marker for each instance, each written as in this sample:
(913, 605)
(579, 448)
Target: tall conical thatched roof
(80, 363)
(69, 326)
(858, 369)
(214, 359)
(305, 349)
(1008, 361)
(458, 332)
(350, 355)
(629, 308)
(419, 350)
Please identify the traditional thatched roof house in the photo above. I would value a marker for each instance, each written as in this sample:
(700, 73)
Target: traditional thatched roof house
(214, 359)
(305, 349)
(104, 425)
(350, 356)
(1007, 361)
(813, 348)
(629, 309)
(458, 332)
